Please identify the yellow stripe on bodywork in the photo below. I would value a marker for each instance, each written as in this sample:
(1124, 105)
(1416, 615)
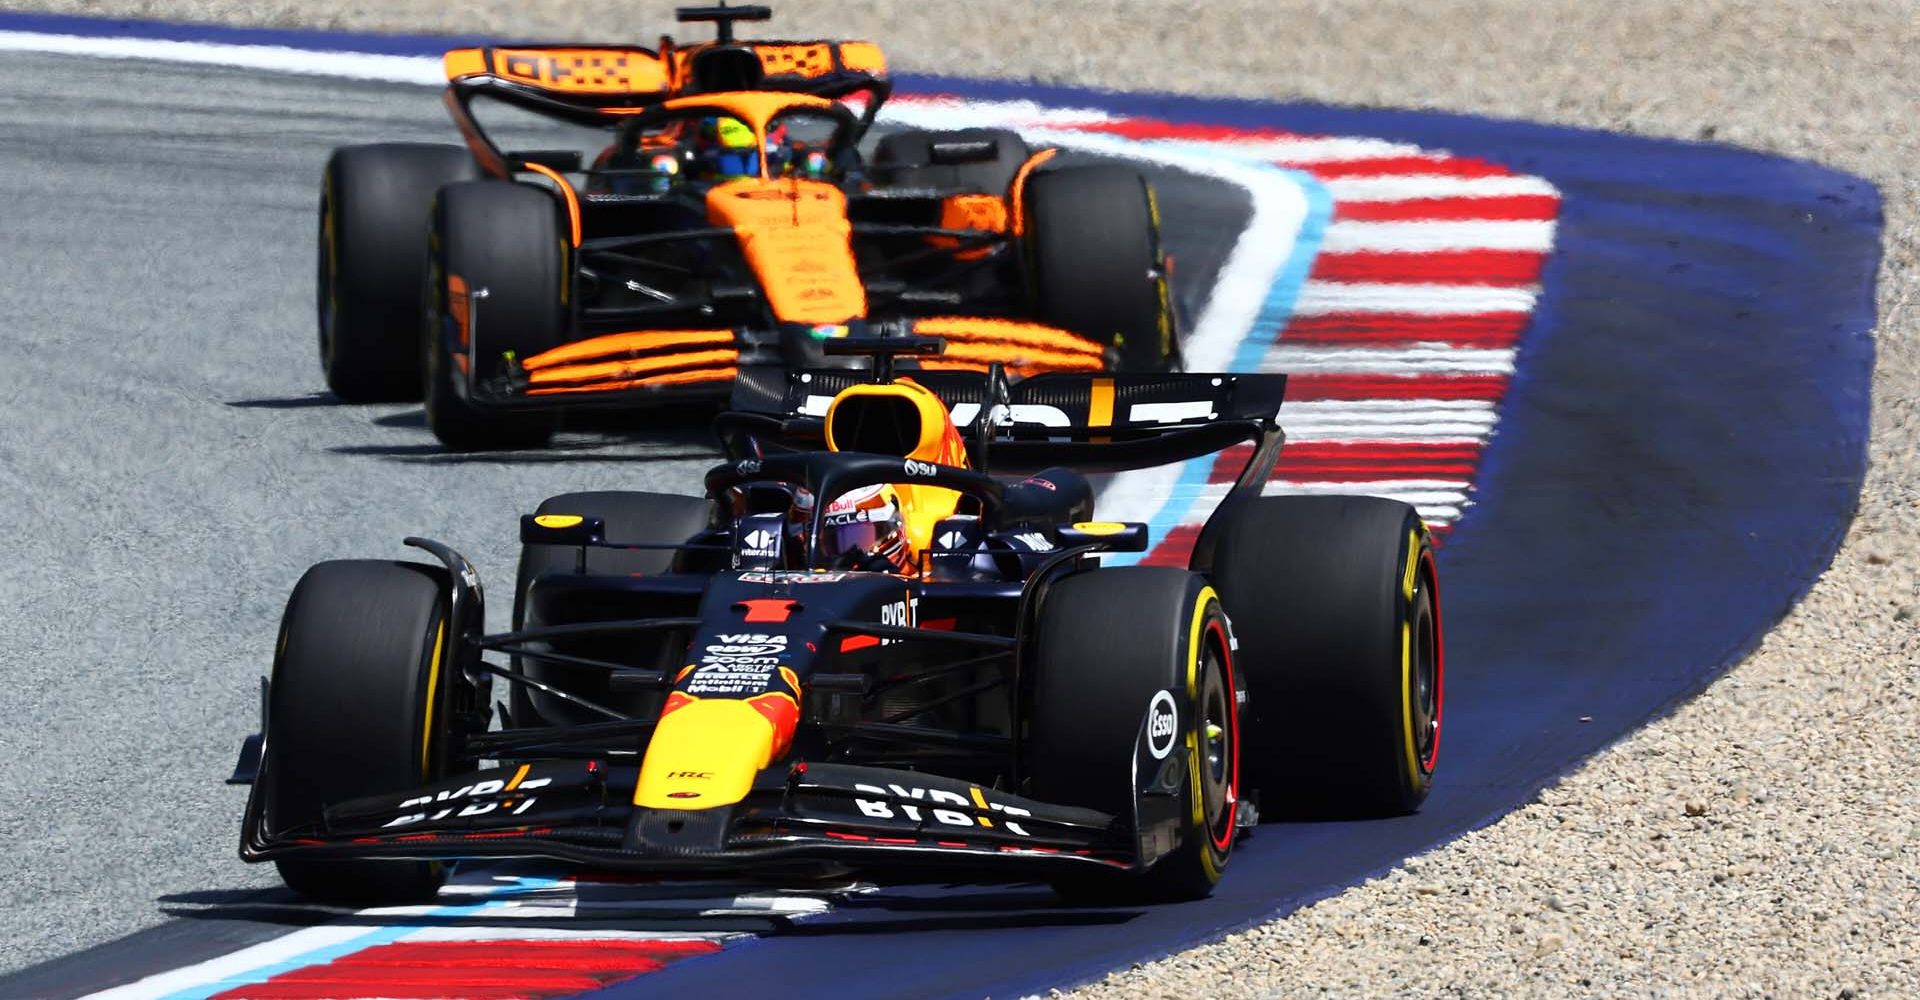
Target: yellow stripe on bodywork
(704, 753)
(1100, 407)
(980, 801)
(433, 685)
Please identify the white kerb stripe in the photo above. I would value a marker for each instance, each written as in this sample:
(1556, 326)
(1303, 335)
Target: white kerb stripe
(1415, 187)
(1319, 297)
(1418, 359)
(237, 964)
(1420, 237)
(350, 65)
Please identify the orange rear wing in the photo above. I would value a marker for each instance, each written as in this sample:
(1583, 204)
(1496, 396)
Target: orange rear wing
(628, 76)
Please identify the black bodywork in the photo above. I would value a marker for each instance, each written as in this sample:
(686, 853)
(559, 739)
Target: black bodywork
(909, 687)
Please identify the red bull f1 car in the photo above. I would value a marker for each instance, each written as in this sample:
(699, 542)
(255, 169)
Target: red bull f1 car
(721, 212)
(883, 639)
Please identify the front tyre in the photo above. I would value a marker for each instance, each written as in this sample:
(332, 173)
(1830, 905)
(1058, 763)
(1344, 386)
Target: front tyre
(358, 706)
(1336, 604)
(1109, 642)
(497, 285)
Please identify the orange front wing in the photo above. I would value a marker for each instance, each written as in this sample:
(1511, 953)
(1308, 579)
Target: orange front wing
(662, 358)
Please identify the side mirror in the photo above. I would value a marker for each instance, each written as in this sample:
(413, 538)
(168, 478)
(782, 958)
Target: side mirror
(562, 529)
(951, 152)
(1114, 536)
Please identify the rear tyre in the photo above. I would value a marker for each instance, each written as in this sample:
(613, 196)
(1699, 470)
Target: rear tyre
(1094, 261)
(357, 707)
(374, 207)
(1336, 606)
(630, 517)
(906, 160)
(1108, 642)
(509, 241)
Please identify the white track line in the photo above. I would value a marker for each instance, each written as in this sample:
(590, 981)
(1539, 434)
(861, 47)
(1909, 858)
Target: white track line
(273, 58)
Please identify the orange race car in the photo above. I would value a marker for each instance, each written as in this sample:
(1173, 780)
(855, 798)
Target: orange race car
(632, 226)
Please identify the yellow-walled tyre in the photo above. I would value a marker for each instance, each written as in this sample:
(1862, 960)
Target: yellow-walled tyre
(1336, 606)
(1109, 642)
(498, 281)
(356, 708)
(371, 261)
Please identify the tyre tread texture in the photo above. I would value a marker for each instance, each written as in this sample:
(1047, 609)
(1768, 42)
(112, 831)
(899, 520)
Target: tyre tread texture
(345, 712)
(382, 197)
(1312, 585)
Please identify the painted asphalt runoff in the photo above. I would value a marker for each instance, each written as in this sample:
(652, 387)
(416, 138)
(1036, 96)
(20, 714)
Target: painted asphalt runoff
(1679, 456)
(175, 464)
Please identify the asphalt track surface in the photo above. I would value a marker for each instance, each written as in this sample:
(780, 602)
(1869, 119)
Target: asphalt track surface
(172, 463)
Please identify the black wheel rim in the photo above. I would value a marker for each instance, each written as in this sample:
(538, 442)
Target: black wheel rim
(1426, 677)
(1216, 733)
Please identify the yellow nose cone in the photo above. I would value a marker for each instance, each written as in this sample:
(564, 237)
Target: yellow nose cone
(704, 753)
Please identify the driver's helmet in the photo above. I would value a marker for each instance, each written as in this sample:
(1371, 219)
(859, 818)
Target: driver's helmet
(724, 150)
(862, 530)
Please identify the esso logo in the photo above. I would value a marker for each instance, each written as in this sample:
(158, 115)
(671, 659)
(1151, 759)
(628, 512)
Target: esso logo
(914, 467)
(1163, 725)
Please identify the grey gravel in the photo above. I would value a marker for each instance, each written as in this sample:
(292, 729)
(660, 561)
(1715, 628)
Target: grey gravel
(1759, 842)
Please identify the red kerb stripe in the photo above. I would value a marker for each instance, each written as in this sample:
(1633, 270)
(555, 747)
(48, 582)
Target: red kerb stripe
(1510, 208)
(1449, 267)
(1374, 329)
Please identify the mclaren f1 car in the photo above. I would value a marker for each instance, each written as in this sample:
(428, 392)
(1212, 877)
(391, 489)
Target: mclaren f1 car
(883, 639)
(713, 213)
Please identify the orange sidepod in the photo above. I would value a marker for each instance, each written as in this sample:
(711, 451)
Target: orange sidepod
(795, 235)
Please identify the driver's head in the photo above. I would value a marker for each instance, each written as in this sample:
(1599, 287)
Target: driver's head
(724, 150)
(861, 530)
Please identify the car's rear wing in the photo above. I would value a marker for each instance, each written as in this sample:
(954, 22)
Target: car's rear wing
(596, 84)
(1089, 422)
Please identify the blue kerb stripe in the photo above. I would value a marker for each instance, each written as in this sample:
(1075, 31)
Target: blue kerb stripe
(320, 956)
(1253, 347)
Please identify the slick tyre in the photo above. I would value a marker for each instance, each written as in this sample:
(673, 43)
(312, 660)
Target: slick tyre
(499, 272)
(1336, 605)
(906, 160)
(357, 707)
(1094, 264)
(630, 518)
(374, 207)
(1109, 642)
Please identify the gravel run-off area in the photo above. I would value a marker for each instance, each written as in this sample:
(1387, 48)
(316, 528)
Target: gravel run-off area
(1763, 839)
